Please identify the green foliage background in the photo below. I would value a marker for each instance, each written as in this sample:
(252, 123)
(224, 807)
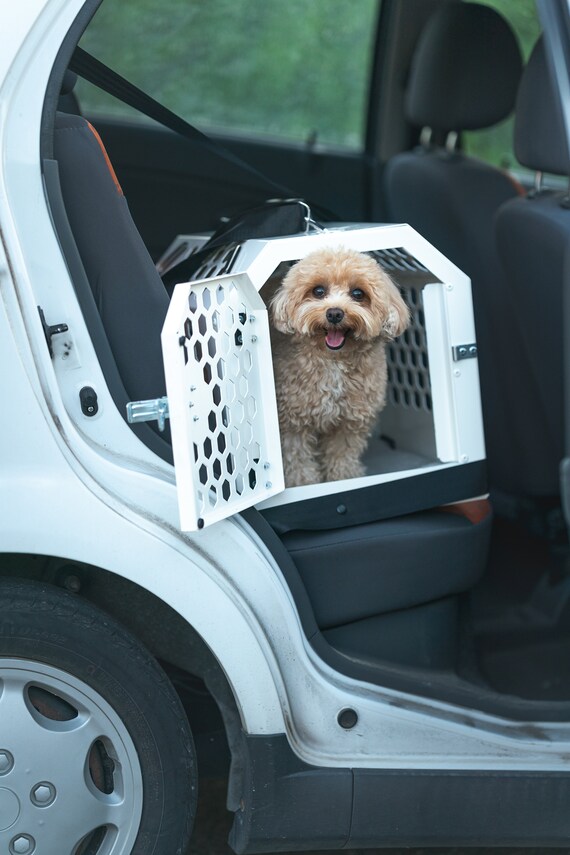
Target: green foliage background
(290, 68)
(294, 69)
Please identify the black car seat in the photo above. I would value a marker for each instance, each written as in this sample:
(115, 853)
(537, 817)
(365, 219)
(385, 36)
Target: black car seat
(456, 85)
(381, 589)
(128, 296)
(533, 236)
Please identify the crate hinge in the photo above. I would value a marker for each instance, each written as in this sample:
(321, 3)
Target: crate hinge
(464, 351)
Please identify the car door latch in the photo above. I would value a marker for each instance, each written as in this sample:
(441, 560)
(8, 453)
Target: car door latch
(50, 331)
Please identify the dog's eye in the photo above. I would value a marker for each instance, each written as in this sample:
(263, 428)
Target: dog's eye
(319, 291)
(357, 294)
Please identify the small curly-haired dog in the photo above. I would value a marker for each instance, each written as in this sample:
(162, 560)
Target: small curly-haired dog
(330, 319)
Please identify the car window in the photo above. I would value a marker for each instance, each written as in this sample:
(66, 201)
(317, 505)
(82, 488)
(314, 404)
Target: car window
(495, 145)
(294, 71)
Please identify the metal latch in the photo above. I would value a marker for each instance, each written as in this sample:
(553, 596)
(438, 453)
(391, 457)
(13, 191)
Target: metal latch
(148, 411)
(49, 331)
(464, 351)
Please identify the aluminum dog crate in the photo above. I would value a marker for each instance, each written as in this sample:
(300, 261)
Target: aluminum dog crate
(221, 393)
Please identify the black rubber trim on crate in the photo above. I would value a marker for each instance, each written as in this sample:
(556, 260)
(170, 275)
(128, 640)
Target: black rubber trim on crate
(381, 501)
(289, 805)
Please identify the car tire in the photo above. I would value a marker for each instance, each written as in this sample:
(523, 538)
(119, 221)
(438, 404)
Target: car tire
(96, 754)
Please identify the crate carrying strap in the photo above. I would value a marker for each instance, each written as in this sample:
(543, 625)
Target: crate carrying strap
(273, 218)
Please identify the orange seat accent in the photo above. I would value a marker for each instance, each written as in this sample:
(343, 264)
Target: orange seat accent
(107, 159)
(521, 190)
(475, 510)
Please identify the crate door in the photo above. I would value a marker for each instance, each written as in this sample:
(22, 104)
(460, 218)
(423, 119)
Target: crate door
(221, 398)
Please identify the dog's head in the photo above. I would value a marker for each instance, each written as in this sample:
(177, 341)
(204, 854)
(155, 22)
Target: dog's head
(339, 296)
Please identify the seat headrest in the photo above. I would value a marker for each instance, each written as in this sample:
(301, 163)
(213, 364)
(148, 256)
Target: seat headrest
(540, 136)
(68, 82)
(465, 70)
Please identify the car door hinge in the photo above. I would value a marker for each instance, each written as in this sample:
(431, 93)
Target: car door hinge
(155, 409)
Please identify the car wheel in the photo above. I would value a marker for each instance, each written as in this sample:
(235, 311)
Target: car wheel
(96, 755)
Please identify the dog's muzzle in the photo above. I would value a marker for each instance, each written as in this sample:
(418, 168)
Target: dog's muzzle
(335, 337)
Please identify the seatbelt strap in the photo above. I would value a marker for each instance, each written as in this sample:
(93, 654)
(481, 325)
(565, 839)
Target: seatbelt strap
(100, 75)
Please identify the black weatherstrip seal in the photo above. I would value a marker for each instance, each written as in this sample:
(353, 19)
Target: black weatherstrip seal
(381, 501)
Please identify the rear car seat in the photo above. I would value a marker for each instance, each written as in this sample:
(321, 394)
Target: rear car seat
(533, 235)
(385, 590)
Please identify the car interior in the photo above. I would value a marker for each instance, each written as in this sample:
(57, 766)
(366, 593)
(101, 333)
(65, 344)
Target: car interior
(465, 602)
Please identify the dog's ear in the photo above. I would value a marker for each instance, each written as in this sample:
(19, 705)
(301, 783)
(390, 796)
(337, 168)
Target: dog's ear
(278, 311)
(398, 316)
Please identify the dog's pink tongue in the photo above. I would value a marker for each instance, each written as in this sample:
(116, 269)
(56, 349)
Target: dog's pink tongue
(334, 338)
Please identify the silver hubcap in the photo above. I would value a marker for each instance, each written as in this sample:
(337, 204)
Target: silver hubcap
(70, 778)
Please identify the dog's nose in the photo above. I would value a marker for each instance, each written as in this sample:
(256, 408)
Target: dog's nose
(335, 316)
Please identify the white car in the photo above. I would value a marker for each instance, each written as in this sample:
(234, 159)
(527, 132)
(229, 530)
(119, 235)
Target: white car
(387, 656)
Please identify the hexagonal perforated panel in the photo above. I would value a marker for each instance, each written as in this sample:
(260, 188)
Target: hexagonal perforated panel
(408, 360)
(220, 363)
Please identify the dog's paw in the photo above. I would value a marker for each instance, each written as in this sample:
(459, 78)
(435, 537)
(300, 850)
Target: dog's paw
(341, 470)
